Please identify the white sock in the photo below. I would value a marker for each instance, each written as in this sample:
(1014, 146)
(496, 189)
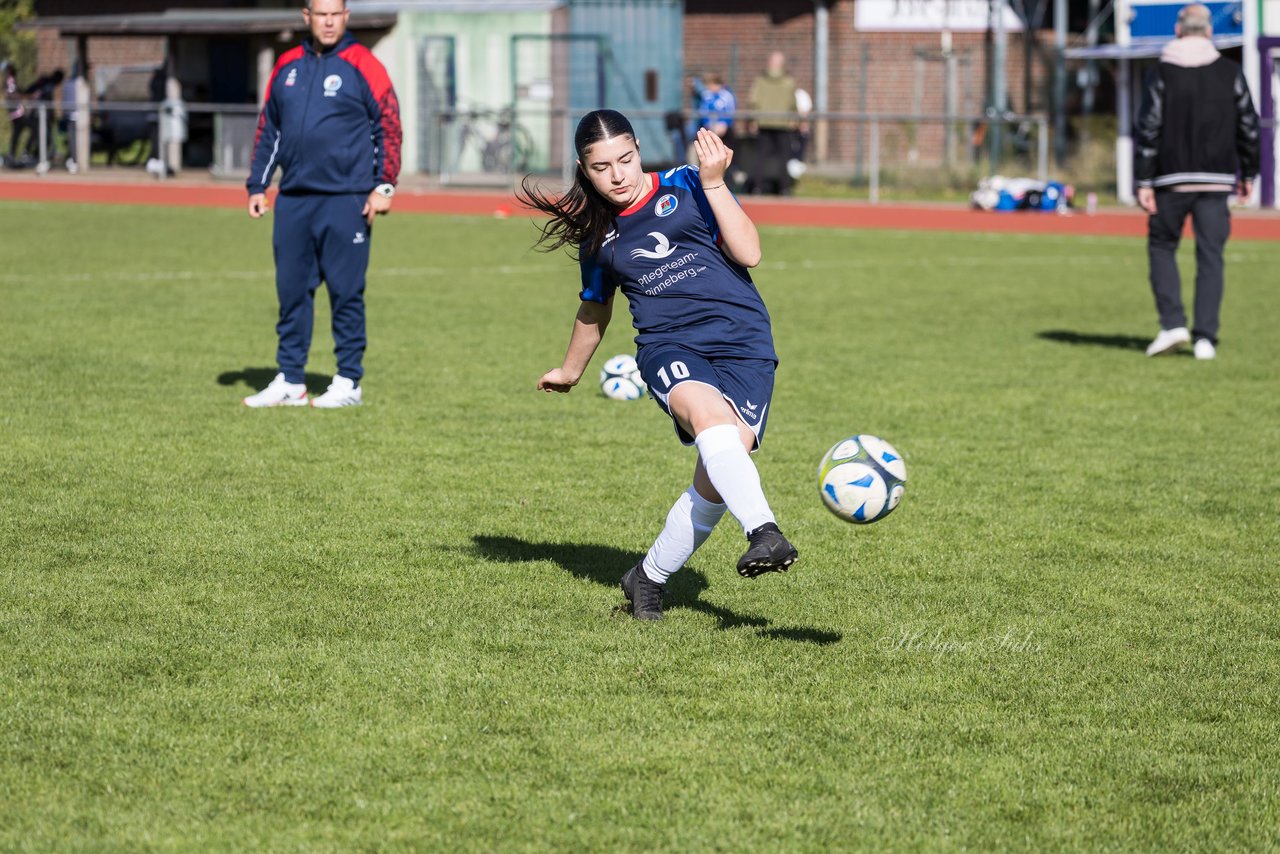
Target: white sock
(733, 475)
(689, 523)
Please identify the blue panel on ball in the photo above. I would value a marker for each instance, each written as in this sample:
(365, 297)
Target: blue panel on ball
(831, 491)
(865, 480)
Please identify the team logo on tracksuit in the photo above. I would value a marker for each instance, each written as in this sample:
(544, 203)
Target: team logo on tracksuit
(332, 84)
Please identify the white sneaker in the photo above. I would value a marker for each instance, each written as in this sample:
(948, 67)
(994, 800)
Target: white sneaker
(1169, 340)
(341, 392)
(1204, 349)
(279, 393)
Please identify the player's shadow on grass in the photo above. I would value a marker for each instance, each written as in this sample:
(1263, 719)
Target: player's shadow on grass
(1119, 342)
(256, 379)
(606, 564)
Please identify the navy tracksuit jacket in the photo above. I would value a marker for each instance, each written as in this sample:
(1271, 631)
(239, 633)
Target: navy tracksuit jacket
(331, 123)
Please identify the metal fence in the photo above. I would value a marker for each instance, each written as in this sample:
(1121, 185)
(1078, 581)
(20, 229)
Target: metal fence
(879, 154)
(215, 136)
(872, 149)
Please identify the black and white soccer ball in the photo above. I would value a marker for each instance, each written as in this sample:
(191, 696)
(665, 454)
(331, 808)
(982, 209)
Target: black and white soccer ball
(862, 478)
(620, 378)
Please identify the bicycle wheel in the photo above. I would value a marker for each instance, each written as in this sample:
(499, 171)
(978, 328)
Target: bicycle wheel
(522, 148)
(496, 156)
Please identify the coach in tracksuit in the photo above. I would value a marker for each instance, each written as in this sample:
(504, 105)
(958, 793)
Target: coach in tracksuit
(1197, 141)
(331, 122)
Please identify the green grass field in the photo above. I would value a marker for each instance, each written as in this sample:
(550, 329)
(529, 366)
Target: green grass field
(396, 627)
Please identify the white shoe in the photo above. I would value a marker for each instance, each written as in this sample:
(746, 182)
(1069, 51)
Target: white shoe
(279, 393)
(1169, 340)
(341, 392)
(1204, 349)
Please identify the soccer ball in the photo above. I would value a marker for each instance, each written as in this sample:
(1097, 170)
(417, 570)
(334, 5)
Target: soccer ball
(620, 378)
(861, 479)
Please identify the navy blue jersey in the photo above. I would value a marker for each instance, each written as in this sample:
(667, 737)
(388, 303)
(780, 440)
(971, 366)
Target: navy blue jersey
(664, 255)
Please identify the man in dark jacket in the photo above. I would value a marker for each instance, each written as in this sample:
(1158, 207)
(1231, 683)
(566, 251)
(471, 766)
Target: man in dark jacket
(331, 122)
(1197, 141)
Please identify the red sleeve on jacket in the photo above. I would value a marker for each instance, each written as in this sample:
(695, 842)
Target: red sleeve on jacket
(286, 58)
(387, 125)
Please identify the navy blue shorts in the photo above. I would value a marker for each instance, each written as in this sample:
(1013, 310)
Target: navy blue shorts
(746, 383)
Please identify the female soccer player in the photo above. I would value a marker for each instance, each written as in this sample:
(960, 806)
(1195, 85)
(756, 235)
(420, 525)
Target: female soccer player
(677, 245)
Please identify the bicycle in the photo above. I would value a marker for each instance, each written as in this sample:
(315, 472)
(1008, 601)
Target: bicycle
(509, 149)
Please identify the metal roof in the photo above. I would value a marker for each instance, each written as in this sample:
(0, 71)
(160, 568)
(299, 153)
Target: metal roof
(198, 21)
(1140, 48)
(467, 6)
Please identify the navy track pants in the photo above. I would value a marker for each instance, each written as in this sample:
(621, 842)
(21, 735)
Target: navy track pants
(321, 238)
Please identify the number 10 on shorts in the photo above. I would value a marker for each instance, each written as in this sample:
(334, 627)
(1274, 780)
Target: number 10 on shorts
(679, 370)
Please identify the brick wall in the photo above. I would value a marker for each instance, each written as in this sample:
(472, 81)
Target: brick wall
(871, 72)
(58, 52)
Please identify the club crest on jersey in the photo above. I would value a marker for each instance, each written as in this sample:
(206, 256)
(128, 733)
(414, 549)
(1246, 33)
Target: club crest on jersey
(663, 248)
(292, 78)
(666, 205)
(332, 84)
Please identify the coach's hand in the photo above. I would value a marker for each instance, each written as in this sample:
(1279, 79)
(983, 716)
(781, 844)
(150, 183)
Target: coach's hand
(714, 157)
(557, 379)
(258, 205)
(1147, 200)
(376, 204)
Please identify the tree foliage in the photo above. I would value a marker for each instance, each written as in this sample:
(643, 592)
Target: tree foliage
(18, 46)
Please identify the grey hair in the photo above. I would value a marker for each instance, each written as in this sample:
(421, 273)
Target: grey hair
(307, 4)
(1194, 20)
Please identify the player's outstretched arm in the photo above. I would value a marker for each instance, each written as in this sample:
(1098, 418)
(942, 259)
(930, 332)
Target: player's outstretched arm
(738, 236)
(588, 331)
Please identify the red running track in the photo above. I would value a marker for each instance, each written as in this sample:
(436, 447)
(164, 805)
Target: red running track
(1246, 225)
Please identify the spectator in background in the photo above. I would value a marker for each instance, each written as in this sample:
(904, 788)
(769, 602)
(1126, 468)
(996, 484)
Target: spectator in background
(70, 115)
(157, 88)
(800, 143)
(804, 106)
(773, 93)
(13, 106)
(716, 106)
(1197, 141)
(43, 91)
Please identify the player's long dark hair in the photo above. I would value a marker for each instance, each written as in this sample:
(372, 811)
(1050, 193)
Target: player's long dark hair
(581, 217)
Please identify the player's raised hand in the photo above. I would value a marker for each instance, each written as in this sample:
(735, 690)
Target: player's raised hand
(714, 157)
(557, 379)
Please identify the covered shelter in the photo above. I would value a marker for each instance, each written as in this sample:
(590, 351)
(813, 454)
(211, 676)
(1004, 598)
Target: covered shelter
(240, 44)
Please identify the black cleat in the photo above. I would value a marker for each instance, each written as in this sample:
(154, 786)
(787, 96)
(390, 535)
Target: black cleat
(769, 552)
(644, 595)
